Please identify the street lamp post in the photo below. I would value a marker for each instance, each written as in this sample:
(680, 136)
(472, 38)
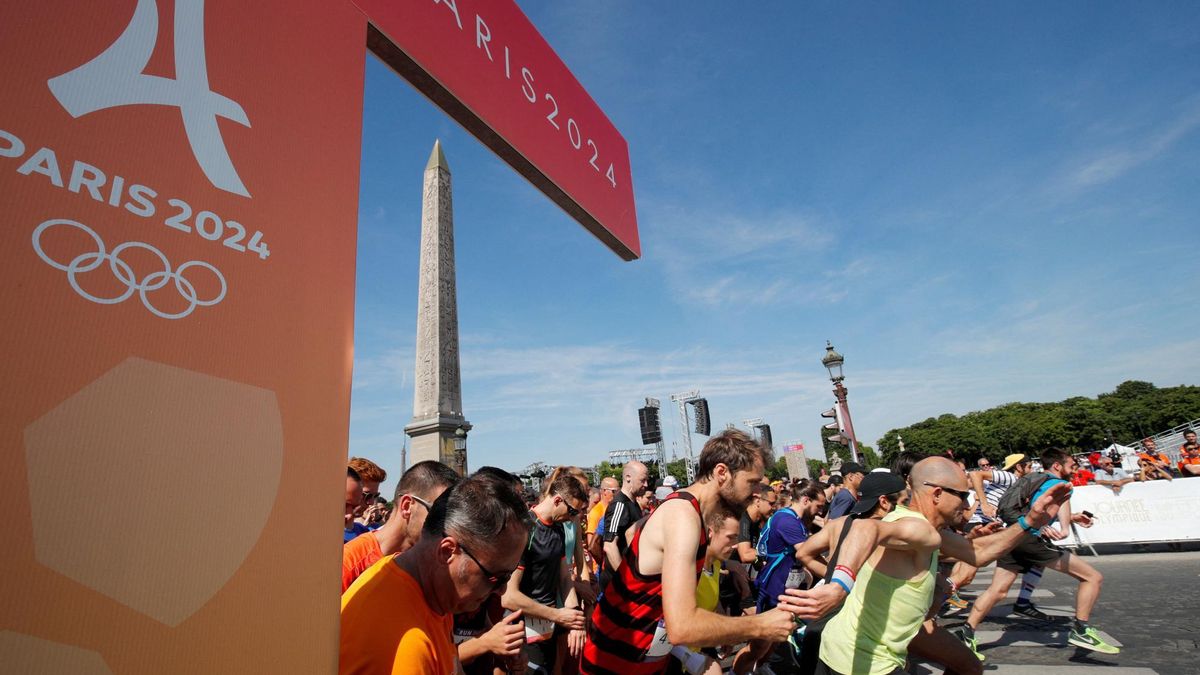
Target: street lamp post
(460, 450)
(833, 363)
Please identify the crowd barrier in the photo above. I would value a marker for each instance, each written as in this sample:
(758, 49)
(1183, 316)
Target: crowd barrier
(1140, 513)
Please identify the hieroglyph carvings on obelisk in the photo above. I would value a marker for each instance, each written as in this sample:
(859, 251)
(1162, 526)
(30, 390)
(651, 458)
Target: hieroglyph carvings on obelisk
(438, 428)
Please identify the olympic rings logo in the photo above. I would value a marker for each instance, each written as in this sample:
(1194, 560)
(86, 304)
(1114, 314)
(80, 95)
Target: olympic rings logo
(91, 260)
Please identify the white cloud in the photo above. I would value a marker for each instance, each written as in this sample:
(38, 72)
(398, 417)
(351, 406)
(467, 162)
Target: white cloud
(1114, 161)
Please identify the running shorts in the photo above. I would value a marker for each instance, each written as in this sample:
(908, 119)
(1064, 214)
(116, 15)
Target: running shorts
(1031, 552)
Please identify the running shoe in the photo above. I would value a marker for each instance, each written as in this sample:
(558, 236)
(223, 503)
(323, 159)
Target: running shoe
(1027, 609)
(956, 602)
(968, 638)
(1090, 638)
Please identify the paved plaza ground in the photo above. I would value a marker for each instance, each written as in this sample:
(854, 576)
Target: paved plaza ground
(1149, 606)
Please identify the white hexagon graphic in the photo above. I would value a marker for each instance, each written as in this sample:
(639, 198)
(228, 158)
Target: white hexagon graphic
(152, 483)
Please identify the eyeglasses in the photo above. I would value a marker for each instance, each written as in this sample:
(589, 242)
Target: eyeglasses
(369, 496)
(961, 494)
(489, 576)
(420, 501)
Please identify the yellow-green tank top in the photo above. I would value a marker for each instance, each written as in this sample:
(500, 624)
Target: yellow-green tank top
(882, 614)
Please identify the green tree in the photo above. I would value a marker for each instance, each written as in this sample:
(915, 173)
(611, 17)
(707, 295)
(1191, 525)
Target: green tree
(777, 470)
(1133, 410)
(678, 469)
(607, 469)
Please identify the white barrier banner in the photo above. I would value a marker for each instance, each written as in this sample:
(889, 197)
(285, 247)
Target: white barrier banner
(1141, 512)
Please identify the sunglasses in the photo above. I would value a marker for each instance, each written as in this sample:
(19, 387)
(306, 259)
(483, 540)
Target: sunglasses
(370, 496)
(961, 494)
(571, 510)
(496, 580)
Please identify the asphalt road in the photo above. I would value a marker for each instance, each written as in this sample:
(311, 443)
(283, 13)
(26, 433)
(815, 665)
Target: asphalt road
(1150, 605)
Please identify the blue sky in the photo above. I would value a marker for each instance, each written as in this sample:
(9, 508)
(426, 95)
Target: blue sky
(977, 203)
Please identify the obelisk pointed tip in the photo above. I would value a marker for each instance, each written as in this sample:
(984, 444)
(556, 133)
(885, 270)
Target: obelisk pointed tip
(437, 159)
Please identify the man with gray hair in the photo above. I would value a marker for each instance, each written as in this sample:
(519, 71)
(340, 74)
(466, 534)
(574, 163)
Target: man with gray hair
(397, 617)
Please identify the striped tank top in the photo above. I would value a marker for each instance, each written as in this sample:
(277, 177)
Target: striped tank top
(628, 613)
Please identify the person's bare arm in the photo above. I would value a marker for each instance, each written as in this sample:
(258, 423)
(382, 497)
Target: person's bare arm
(852, 553)
(808, 552)
(581, 566)
(685, 622)
(984, 550)
(977, 478)
(613, 555)
(909, 534)
(513, 599)
(746, 552)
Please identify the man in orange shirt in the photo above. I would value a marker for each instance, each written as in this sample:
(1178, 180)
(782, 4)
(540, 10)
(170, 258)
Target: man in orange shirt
(419, 487)
(370, 475)
(593, 543)
(1154, 464)
(1189, 455)
(354, 495)
(397, 616)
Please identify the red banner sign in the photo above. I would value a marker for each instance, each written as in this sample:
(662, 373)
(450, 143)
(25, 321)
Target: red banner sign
(490, 69)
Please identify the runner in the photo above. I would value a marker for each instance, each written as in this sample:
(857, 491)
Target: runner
(886, 607)
(736, 592)
(419, 487)
(622, 512)
(852, 477)
(397, 616)
(655, 585)
(785, 531)
(1035, 551)
(543, 574)
(990, 486)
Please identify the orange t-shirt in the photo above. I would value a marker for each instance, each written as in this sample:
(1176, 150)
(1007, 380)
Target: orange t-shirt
(594, 517)
(1152, 457)
(358, 555)
(387, 627)
(1188, 455)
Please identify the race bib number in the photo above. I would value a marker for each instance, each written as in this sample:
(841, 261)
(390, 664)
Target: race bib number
(537, 630)
(661, 646)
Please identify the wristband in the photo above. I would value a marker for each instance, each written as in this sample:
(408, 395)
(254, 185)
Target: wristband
(843, 576)
(1026, 526)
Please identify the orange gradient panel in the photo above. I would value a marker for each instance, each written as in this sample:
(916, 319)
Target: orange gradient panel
(178, 202)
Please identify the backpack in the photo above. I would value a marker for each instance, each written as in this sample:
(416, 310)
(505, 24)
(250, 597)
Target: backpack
(1018, 498)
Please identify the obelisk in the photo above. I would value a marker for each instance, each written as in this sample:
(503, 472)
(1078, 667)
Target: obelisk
(438, 428)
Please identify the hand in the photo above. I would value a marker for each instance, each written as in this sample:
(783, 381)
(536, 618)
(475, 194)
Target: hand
(571, 619)
(1081, 519)
(989, 510)
(1053, 532)
(813, 603)
(984, 530)
(777, 623)
(507, 637)
(1046, 507)
(575, 640)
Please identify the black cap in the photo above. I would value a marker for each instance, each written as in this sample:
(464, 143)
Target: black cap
(875, 485)
(853, 467)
